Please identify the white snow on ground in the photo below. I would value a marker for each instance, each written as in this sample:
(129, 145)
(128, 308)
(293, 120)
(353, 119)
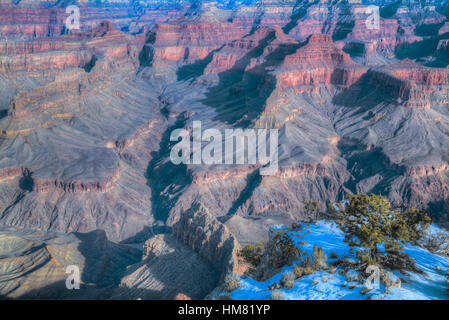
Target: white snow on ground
(332, 286)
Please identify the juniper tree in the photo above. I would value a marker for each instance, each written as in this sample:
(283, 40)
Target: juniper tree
(369, 221)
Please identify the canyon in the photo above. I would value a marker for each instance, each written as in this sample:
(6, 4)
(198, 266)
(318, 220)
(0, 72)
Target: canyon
(86, 117)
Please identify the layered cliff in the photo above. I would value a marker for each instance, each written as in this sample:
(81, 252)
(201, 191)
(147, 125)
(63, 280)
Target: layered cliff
(56, 133)
(410, 82)
(199, 230)
(319, 62)
(34, 265)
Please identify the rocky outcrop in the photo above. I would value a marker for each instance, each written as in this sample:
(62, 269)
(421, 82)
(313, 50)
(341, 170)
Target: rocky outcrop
(319, 62)
(199, 230)
(204, 177)
(37, 62)
(45, 185)
(11, 172)
(409, 82)
(418, 74)
(424, 171)
(69, 51)
(34, 265)
(168, 266)
(62, 109)
(28, 20)
(226, 58)
(192, 39)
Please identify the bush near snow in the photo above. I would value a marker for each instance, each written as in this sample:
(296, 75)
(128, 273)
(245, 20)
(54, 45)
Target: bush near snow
(366, 231)
(369, 222)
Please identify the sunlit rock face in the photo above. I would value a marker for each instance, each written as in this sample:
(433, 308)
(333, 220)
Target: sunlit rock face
(360, 102)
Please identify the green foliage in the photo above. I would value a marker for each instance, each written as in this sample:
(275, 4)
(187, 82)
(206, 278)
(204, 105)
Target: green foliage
(319, 258)
(302, 271)
(252, 253)
(365, 257)
(315, 262)
(282, 250)
(298, 271)
(369, 220)
(279, 252)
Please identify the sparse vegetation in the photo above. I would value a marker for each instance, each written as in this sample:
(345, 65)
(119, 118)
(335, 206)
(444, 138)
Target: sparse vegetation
(389, 280)
(302, 271)
(264, 261)
(311, 209)
(315, 262)
(319, 258)
(437, 243)
(352, 276)
(277, 295)
(252, 255)
(288, 280)
(365, 290)
(369, 221)
(231, 283)
(375, 232)
(333, 255)
(280, 251)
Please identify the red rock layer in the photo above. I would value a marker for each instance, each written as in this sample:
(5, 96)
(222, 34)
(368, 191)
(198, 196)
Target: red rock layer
(30, 22)
(423, 171)
(70, 51)
(320, 61)
(191, 41)
(45, 185)
(226, 58)
(20, 22)
(40, 62)
(11, 172)
(301, 170)
(72, 87)
(420, 75)
(410, 82)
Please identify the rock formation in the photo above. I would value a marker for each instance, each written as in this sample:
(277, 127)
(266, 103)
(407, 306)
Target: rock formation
(34, 265)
